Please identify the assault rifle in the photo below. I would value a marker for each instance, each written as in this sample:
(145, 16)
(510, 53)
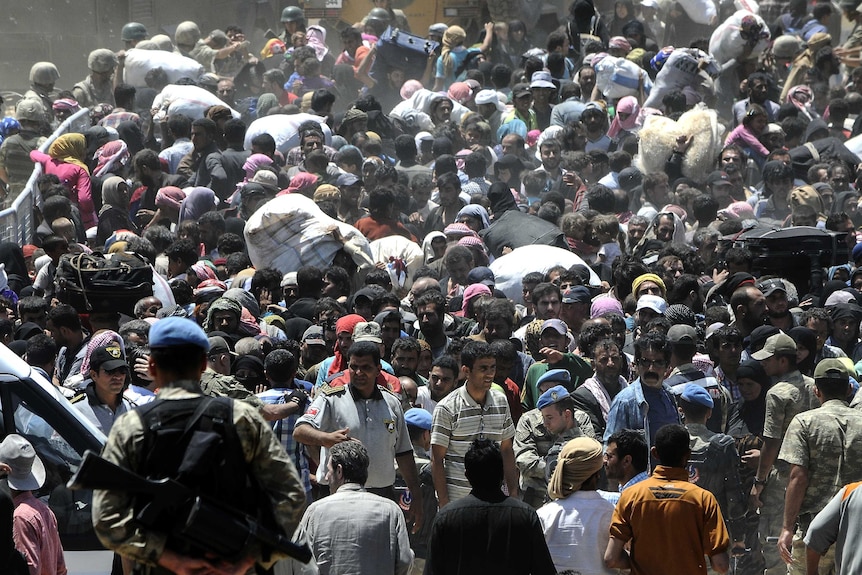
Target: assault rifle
(204, 524)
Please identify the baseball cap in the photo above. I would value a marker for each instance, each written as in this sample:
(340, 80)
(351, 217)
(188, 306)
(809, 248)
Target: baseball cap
(346, 179)
(682, 333)
(481, 275)
(173, 330)
(437, 29)
(418, 417)
(520, 90)
(108, 357)
(314, 336)
(712, 328)
(367, 331)
(542, 79)
(831, 368)
(577, 294)
(857, 253)
(718, 177)
(557, 325)
(771, 286)
(693, 393)
(652, 302)
(778, 344)
(554, 395)
(218, 345)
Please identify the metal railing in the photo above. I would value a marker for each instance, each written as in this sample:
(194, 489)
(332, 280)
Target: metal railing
(17, 222)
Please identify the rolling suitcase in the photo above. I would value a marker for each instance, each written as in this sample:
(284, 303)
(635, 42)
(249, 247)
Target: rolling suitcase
(398, 49)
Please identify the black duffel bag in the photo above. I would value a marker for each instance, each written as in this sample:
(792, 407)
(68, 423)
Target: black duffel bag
(92, 283)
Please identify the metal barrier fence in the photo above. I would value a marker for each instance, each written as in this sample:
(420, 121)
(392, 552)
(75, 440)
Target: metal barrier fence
(16, 222)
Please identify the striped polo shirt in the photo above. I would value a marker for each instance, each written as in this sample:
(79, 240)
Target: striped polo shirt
(457, 421)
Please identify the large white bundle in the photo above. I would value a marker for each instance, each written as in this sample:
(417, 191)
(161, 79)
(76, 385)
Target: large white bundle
(290, 231)
(191, 101)
(618, 77)
(658, 137)
(415, 110)
(700, 11)
(284, 129)
(510, 269)
(176, 66)
(855, 145)
(681, 69)
(726, 43)
(399, 248)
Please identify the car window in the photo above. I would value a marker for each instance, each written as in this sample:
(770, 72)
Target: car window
(60, 459)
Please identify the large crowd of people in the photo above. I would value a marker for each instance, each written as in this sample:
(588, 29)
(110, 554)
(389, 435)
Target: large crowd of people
(526, 284)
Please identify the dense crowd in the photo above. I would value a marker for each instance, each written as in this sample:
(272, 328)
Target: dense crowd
(573, 300)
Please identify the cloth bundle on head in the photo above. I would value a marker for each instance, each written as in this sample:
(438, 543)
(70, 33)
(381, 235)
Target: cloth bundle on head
(648, 277)
(316, 36)
(459, 92)
(111, 157)
(70, 148)
(580, 459)
(303, 183)
(170, 197)
(619, 43)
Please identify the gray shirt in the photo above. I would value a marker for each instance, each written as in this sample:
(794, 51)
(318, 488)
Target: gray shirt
(839, 523)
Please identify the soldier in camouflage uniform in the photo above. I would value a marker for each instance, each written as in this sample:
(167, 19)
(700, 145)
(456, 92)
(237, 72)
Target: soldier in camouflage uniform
(831, 437)
(793, 394)
(536, 435)
(713, 463)
(98, 86)
(178, 358)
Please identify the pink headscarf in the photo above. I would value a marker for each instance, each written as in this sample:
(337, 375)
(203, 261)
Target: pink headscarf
(801, 96)
(301, 182)
(628, 105)
(110, 156)
(170, 196)
(203, 271)
(740, 210)
(316, 37)
(66, 104)
(460, 92)
(254, 163)
(603, 305)
(472, 292)
(100, 339)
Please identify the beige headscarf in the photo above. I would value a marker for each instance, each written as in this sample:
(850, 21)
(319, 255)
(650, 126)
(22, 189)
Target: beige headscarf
(452, 38)
(579, 460)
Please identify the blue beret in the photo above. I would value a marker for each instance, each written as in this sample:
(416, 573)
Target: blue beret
(172, 331)
(553, 395)
(418, 417)
(693, 393)
(557, 375)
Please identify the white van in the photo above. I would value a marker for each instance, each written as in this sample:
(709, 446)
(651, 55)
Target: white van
(33, 407)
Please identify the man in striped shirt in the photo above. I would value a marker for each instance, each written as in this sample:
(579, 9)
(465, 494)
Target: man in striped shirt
(473, 411)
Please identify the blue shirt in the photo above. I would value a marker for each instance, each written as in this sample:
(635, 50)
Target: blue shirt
(631, 410)
(283, 428)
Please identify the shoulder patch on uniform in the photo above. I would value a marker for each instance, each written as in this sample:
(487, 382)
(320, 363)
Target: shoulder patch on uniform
(79, 397)
(327, 389)
(389, 391)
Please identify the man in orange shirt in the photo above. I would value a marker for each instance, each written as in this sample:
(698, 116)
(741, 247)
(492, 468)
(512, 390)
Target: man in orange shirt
(672, 524)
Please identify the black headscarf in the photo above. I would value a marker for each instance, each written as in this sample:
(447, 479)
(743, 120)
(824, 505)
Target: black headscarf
(253, 364)
(501, 199)
(807, 339)
(753, 413)
(131, 134)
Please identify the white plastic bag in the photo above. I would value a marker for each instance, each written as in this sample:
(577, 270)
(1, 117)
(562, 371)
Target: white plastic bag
(511, 268)
(191, 101)
(680, 70)
(618, 77)
(290, 231)
(700, 11)
(284, 130)
(176, 66)
(727, 44)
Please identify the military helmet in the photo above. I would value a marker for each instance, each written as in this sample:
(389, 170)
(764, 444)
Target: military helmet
(133, 31)
(30, 110)
(380, 14)
(292, 14)
(102, 60)
(44, 73)
(187, 34)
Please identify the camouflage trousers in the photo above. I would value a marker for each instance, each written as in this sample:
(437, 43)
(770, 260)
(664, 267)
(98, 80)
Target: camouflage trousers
(771, 520)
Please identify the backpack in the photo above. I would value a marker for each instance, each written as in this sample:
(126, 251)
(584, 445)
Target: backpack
(194, 441)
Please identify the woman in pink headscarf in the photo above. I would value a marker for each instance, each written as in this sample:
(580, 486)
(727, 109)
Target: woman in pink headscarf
(168, 201)
(112, 158)
(626, 119)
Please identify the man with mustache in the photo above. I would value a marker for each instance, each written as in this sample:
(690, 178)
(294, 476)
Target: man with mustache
(647, 403)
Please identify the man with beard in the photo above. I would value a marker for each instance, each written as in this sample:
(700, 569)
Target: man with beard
(405, 358)
(647, 403)
(149, 171)
(757, 88)
(749, 309)
(597, 393)
(845, 332)
(777, 309)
